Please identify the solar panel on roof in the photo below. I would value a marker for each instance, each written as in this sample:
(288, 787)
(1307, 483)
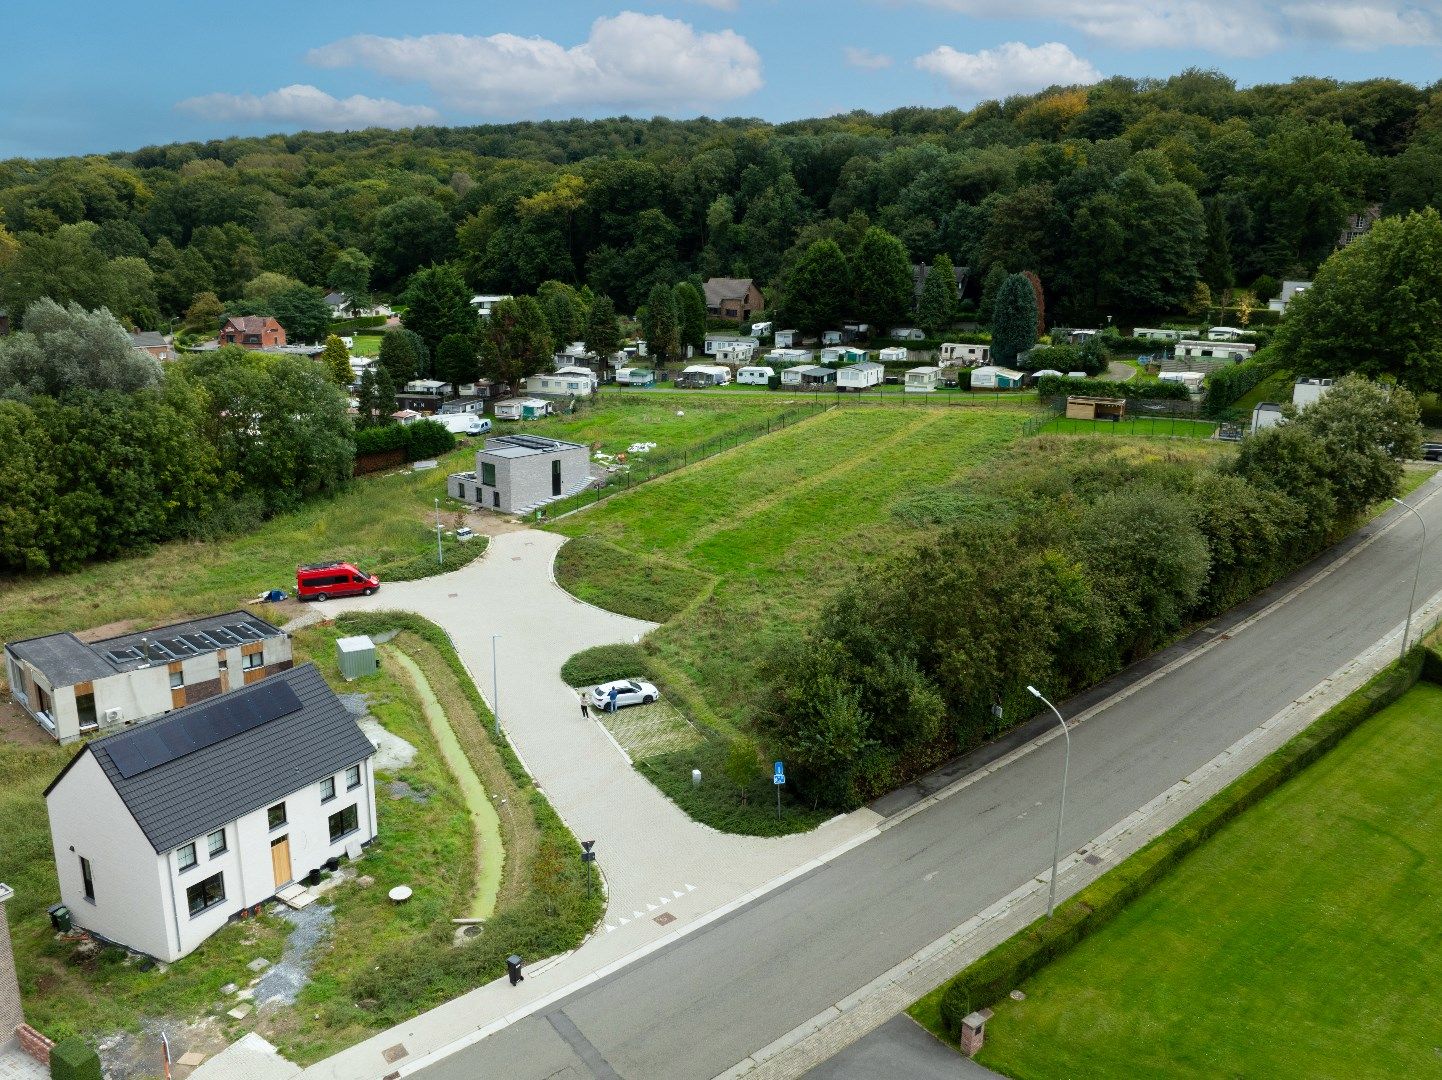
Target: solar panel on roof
(202, 641)
(244, 631)
(201, 726)
(221, 634)
(157, 648)
(125, 656)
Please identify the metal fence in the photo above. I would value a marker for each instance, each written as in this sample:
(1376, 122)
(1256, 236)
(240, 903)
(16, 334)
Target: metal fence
(1145, 420)
(640, 468)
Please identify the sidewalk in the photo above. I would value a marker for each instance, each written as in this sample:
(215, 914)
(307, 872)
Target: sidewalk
(657, 863)
(856, 1016)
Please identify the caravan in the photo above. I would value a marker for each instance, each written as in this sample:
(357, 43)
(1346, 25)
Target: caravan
(755, 376)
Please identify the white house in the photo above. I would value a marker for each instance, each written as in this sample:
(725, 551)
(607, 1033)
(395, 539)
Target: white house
(896, 354)
(1213, 350)
(486, 303)
(995, 378)
(165, 832)
(953, 353)
(861, 376)
(1290, 289)
(921, 380)
(1307, 391)
(755, 375)
(74, 688)
(1266, 414)
(713, 343)
(568, 381)
(1225, 333)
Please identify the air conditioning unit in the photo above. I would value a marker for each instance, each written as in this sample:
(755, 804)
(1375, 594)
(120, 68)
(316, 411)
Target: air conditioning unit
(113, 715)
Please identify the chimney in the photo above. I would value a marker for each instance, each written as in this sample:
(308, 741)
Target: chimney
(11, 1015)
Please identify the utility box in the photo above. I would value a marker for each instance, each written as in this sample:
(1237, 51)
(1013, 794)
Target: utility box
(357, 657)
(973, 1032)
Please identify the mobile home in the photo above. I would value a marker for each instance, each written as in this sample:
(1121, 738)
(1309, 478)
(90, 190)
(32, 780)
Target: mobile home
(995, 378)
(861, 376)
(921, 380)
(635, 376)
(756, 375)
(696, 376)
(952, 353)
(896, 354)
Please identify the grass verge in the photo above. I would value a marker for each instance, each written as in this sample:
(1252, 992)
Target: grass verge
(988, 981)
(641, 586)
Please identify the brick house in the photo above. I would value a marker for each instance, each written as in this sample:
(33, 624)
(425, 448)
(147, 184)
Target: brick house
(732, 298)
(252, 332)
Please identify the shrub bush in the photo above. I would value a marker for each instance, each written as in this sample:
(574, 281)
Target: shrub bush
(423, 439)
(1226, 386)
(1013, 961)
(74, 1059)
(604, 663)
(1137, 389)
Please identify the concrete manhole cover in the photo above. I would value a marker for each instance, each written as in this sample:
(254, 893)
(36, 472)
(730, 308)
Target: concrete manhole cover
(665, 919)
(1093, 860)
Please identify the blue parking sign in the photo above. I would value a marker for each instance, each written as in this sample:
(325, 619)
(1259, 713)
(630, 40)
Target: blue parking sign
(780, 775)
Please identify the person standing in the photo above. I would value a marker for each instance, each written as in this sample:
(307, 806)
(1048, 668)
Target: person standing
(585, 707)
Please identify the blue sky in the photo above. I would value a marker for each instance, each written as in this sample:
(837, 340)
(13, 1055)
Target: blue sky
(85, 76)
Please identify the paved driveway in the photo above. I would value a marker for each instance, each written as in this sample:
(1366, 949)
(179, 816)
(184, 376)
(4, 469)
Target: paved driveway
(651, 853)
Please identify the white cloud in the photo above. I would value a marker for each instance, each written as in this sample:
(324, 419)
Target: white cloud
(1366, 26)
(1237, 27)
(310, 107)
(629, 61)
(1013, 68)
(719, 5)
(866, 59)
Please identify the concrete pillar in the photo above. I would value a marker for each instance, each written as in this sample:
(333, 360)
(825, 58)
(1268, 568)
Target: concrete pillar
(973, 1032)
(11, 1015)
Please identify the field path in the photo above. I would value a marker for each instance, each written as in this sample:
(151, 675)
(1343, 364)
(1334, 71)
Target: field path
(809, 481)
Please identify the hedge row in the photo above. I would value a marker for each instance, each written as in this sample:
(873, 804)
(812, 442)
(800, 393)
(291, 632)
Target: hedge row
(1228, 385)
(1137, 389)
(423, 439)
(1018, 958)
(341, 327)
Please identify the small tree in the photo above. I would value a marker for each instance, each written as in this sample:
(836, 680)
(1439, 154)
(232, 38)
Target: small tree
(366, 398)
(457, 359)
(1035, 283)
(1013, 328)
(205, 314)
(385, 397)
(603, 334)
(1246, 304)
(818, 288)
(663, 336)
(690, 315)
(438, 304)
(1201, 301)
(742, 766)
(336, 360)
(881, 274)
(990, 286)
(937, 308)
(516, 341)
(398, 356)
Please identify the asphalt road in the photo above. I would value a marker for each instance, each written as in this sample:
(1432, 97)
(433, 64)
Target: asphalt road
(694, 1009)
(901, 1048)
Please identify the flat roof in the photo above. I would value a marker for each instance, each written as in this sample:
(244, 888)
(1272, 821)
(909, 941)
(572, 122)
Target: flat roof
(66, 660)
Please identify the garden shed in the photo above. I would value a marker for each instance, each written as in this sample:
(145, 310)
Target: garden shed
(1095, 408)
(357, 657)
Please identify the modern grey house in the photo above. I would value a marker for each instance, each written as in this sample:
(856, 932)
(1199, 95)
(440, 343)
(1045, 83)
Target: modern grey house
(164, 832)
(72, 687)
(516, 474)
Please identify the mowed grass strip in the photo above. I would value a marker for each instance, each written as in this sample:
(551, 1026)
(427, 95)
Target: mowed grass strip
(1158, 427)
(1300, 942)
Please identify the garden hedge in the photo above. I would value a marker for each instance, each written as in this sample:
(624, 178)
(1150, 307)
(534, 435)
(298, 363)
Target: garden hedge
(1137, 389)
(74, 1059)
(422, 439)
(1019, 957)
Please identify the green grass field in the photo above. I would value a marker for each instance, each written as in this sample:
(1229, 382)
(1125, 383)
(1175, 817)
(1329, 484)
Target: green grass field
(1300, 942)
(1149, 427)
(741, 550)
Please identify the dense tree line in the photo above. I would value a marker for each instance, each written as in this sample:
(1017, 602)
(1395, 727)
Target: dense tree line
(1122, 197)
(1071, 566)
(102, 451)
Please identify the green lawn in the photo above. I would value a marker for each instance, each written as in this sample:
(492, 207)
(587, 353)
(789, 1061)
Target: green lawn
(1150, 427)
(427, 845)
(1275, 387)
(741, 550)
(1300, 942)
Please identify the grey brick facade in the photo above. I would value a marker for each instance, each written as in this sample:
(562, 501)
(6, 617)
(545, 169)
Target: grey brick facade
(516, 472)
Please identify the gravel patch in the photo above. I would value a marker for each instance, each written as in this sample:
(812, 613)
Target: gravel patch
(283, 980)
(392, 752)
(399, 789)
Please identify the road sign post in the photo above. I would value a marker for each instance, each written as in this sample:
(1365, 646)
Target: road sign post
(588, 857)
(777, 779)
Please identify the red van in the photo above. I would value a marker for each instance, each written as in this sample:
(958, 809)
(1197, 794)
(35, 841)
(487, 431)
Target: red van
(320, 580)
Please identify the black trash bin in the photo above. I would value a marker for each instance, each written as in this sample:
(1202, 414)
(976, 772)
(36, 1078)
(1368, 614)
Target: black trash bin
(60, 918)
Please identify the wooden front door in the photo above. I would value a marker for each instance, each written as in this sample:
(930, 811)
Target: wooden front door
(280, 860)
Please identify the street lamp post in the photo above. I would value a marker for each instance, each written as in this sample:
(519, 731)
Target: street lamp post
(1061, 807)
(495, 688)
(1421, 549)
(440, 554)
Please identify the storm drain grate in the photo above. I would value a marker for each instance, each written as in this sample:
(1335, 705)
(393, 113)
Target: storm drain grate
(665, 919)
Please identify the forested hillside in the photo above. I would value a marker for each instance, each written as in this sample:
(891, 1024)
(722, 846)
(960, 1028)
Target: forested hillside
(1120, 196)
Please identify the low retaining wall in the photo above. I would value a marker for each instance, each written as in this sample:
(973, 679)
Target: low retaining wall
(34, 1044)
